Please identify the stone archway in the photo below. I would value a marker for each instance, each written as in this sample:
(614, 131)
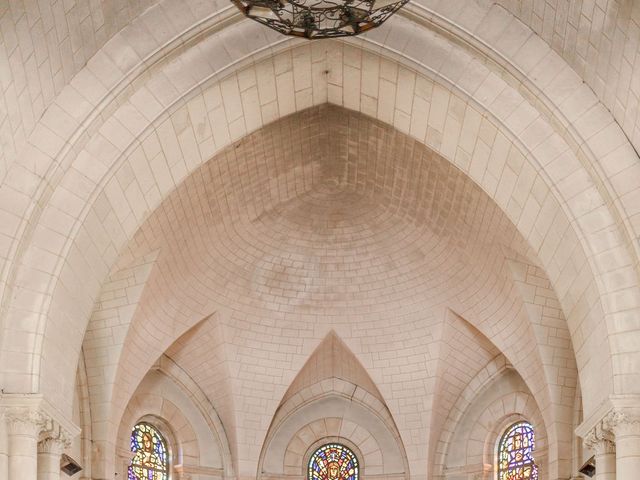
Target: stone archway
(565, 232)
(549, 216)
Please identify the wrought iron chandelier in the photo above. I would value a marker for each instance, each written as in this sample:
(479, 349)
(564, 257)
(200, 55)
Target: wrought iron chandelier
(320, 18)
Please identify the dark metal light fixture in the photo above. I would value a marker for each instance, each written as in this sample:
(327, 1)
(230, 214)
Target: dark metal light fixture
(589, 467)
(68, 465)
(320, 18)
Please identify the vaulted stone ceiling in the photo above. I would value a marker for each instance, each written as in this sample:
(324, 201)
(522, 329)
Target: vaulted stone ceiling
(326, 220)
(58, 40)
(146, 191)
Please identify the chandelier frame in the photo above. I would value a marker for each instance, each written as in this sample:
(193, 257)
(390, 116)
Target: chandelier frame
(316, 19)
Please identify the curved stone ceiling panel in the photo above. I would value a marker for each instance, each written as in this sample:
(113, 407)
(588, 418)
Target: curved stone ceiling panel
(325, 219)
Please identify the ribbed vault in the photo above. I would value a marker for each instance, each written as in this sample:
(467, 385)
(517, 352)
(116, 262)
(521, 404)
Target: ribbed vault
(144, 187)
(324, 220)
(102, 207)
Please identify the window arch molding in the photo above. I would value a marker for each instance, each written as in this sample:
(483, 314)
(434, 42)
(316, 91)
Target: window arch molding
(476, 432)
(339, 440)
(166, 433)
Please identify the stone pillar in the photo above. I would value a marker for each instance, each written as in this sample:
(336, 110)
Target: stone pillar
(626, 426)
(601, 440)
(49, 452)
(28, 418)
(23, 426)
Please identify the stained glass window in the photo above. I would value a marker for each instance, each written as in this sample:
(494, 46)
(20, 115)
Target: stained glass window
(515, 453)
(150, 459)
(333, 462)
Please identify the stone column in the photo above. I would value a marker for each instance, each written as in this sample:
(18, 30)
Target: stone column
(601, 440)
(24, 426)
(626, 426)
(49, 452)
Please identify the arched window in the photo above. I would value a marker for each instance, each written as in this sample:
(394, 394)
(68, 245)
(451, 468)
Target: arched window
(150, 460)
(515, 453)
(333, 462)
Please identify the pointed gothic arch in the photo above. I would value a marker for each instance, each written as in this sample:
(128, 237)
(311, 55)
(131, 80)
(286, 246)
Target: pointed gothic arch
(306, 418)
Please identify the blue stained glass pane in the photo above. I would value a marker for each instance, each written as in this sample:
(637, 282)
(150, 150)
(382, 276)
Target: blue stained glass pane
(515, 453)
(150, 459)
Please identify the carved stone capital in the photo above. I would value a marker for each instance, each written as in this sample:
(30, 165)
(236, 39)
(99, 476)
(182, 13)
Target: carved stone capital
(601, 439)
(623, 422)
(32, 421)
(53, 446)
(24, 420)
(54, 439)
(31, 415)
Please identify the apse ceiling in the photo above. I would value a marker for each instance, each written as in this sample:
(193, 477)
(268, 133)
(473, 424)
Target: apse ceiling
(325, 212)
(324, 220)
(327, 222)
